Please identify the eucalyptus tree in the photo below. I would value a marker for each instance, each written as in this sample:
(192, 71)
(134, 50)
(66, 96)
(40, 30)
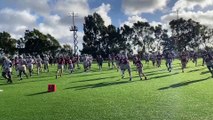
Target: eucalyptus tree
(7, 43)
(185, 33)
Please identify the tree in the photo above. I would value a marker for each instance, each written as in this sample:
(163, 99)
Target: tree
(7, 44)
(185, 33)
(143, 33)
(67, 50)
(20, 45)
(206, 35)
(159, 32)
(168, 43)
(126, 38)
(39, 43)
(54, 45)
(93, 36)
(113, 40)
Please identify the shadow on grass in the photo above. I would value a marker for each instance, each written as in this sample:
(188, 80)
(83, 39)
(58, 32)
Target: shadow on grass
(150, 74)
(24, 81)
(103, 69)
(89, 73)
(98, 85)
(161, 76)
(185, 83)
(205, 72)
(195, 70)
(94, 68)
(41, 76)
(155, 71)
(94, 79)
(39, 93)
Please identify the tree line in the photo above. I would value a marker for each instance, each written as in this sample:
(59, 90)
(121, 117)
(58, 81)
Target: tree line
(34, 42)
(143, 37)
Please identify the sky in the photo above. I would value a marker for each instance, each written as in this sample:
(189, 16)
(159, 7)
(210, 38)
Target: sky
(53, 16)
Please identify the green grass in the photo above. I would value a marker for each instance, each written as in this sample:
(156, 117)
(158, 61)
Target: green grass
(105, 96)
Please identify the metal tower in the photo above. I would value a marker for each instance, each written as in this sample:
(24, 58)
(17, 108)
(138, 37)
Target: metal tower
(74, 29)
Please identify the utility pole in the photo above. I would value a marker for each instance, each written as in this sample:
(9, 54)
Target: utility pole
(74, 29)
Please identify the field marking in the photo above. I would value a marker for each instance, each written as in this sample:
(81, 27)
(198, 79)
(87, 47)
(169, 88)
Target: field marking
(1, 90)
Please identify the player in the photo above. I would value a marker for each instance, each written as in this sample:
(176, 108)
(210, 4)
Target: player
(139, 66)
(147, 58)
(109, 61)
(159, 58)
(124, 65)
(38, 64)
(90, 59)
(153, 59)
(117, 61)
(30, 62)
(16, 64)
(7, 70)
(60, 66)
(169, 57)
(46, 63)
(51, 60)
(77, 61)
(113, 61)
(195, 57)
(100, 62)
(184, 60)
(71, 68)
(204, 53)
(209, 62)
(134, 59)
(22, 67)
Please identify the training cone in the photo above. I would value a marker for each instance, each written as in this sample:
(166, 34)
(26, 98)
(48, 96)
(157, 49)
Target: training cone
(51, 87)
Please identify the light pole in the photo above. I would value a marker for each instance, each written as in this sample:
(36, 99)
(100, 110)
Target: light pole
(74, 29)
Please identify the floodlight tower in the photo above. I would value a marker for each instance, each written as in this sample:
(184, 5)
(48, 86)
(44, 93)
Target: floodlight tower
(74, 29)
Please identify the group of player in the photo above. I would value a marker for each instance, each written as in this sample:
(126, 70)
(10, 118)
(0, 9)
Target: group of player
(184, 57)
(120, 62)
(22, 64)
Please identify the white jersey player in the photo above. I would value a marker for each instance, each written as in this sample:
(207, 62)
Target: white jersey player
(46, 63)
(7, 69)
(38, 64)
(30, 62)
(22, 67)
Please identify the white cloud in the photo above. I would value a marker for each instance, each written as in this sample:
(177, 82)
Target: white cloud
(191, 4)
(103, 12)
(48, 17)
(133, 19)
(60, 31)
(11, 16)
(62, 34)
(63, 7)
(20, 28)
(40, 7)
(136, 7)
(202, 17)
(16, 22)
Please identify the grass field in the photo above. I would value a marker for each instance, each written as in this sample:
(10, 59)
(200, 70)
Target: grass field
(105, 96)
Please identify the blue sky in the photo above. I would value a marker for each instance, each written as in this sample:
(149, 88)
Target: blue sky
(115, 12)
(52, 16)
